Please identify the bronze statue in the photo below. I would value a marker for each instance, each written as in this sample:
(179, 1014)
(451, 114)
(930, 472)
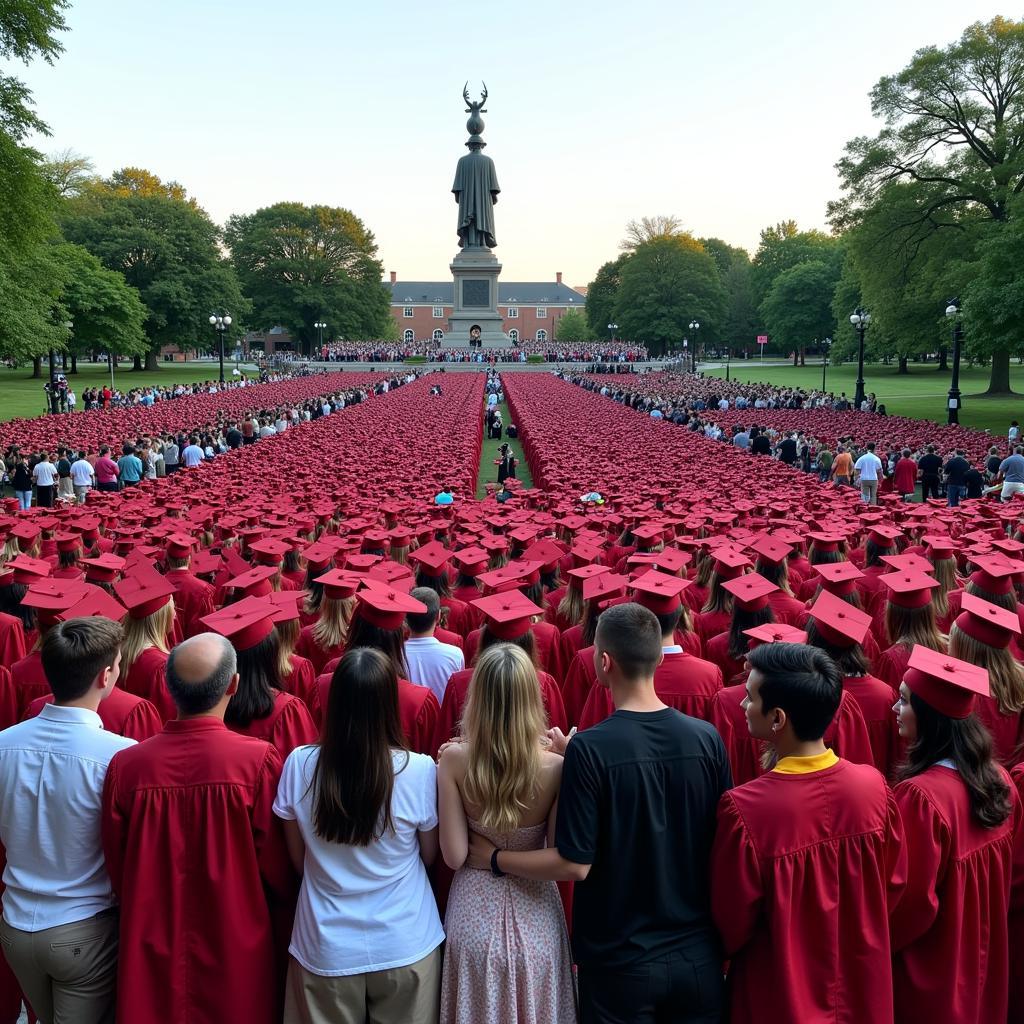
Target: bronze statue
(476, 182)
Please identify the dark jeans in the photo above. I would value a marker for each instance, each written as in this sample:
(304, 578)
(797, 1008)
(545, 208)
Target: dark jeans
(685, 988)
(929, 487)
(955, 493)
(107, 485)
(44, 496)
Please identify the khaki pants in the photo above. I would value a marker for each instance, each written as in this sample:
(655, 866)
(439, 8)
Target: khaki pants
(869, 491)
(410, 994)
(68, 973)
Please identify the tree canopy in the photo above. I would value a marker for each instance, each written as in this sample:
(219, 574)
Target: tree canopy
(572, 326)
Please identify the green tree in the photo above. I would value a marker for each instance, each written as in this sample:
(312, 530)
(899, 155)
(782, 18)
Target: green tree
(28, 29)
(740, 319)
(952, 121)
(299, 264)
(664, 284)
(798, 309)
(69, 173)
(782, 247)
(602, 296)
(573, 326)
(168, 251)
(650, 229)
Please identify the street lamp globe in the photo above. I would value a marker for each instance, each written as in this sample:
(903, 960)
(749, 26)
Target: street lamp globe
(952, 310)
(227, 321)
(213, 321)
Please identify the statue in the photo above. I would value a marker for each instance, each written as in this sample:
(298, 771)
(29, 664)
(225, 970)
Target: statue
(476, 182)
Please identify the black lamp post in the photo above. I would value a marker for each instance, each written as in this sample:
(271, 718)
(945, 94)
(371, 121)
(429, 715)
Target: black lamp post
(694, 328)
(860, 318)
(728, 356)
(320, 328)
(54, 407)
(825, 344)
(953, 312)
(220, 324)
(612, 328)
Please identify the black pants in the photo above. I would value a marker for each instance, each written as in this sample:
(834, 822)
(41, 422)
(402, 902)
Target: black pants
(44, 496)
(929, 487)
(685, 988)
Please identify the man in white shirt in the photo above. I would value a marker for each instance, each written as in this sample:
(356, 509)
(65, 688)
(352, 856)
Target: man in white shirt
(867, 468)
(83, 477)
(60, 924)
(431, 663)
(193, 454)
(45, 477)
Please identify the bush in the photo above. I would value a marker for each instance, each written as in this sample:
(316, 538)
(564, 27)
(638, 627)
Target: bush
(415, 359)
(535, 357)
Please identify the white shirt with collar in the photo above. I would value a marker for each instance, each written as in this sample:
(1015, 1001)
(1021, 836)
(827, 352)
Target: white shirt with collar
(432, 663)
(52, 770)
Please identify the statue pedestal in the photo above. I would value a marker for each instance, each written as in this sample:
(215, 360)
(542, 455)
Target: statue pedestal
(476, 271)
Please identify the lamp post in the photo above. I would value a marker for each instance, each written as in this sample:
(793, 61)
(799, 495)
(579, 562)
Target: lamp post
(953, 312)
(860, 318)
(694, 328)
(613, 328)
(728, 357)
(220, 324)
(320, 328)
(825, 344)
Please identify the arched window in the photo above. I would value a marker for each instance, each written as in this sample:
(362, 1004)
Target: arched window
(438, 334)
(408, 337)
(513, 336)
(542, 335)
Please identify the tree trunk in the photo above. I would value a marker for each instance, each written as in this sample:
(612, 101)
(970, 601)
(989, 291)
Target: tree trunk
(999, 380)
(903, 365)
(74, 363)
(151, 363)
(796, 357)
(943, 366)
(64, 361)
(803, 356)
(136, 363)
(37, 367)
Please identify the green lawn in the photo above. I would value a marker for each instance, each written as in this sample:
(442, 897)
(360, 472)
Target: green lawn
(489, 452)
(22, 395)
(922, 393)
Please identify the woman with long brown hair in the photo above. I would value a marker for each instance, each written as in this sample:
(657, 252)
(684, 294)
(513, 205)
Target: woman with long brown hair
(499, 780)
(909, 622)
(360, 819)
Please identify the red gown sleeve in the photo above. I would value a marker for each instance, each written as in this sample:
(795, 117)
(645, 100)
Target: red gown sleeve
(113, 828)
(142, 722)
(927, 844)
(553, 703)
(12, 642)
(8, 700)
(575, 690)
(736, 889)
(852, 739)
(597, 708)
(447, 720)
(425, 730)
(294, 728)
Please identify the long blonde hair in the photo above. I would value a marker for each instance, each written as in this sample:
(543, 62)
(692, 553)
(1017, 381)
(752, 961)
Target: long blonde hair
(910, 626)
(944, 570)
(1005, 673)
(148, 632)
(503, 724)
(287, 636)
(331, 629)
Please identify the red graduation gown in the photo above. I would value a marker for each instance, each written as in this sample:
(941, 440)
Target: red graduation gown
(193, 849)
(892, 663)
(709, 624)
(309, 649)
(847, 735)
(446, 636)
(460, 619)
(12, 640)
(788, 609)
(949, 931)
(876, 699)
(192, 600)
(148, 678)
(455, 700)
(121, 712)
(301, 680)
(29, 681)
(289, 725)
(1007, 731)
(580, 678)
(804, 871)
(9, 712)
(717, 650)
(1016, 923)
(548, 640)
(681, 681)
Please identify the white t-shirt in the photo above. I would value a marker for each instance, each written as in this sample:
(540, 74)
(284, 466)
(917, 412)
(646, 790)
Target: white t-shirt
(192, 456)
(81, 473)
(868, 466)
(45, 474)
(364, 908)
(432, 663)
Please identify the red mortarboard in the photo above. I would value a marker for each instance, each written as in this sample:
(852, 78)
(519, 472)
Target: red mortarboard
(433, 558)
(580, 575)
(908, 563)
(751, 591)
(994, 573)
(659, 592)
(547, 552)
(839, 577)
(839, 623)
(51, 596)
(143, 592)
(26, 534)
(939, 547)
(387, 607)
(245, 623)
(389, 572)
(603, 586)
(254, 582)
(651, 533)
(339, 584)
(206, 561)
(987, 623)
(771, 549)
(179, 545)
(508, 615)
(68, 541)
(285, 605)
(672, 559)
(270, 550)
(27, 569)
(909, 589)
(96, 602)
(946, 684)
(775, 633)
(827, 541)
(884, 536)
(730, 563)
(103, 568)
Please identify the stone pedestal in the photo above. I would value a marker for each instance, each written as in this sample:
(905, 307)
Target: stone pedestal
(476, 271)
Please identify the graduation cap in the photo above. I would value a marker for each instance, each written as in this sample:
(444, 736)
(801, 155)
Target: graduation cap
(68, 541)
(987, 623)
(751, 591)
(508, 614)
(494, 543)
(908, 563)
(774, 633)
(51, 596)
(827, 541)
(339, 584)
(659, 592)
(104, 568)
(945, 683)
(772, 550)
(26, 533)
(839, 578)
(284, 605)
(603, 586)
(909, 589)
(95, 602)
(672, 559)
(26, 569)
(939, 546)
(179, 545)
(433, 558)
(362, 563)
(730, 563)
(585, 552)
(245, 623)
(254, 582)
(547, 552)
(579, 575)
(650, 534)
(206, 562)
(270, 550)
(389, 572)
(839, 623)
(387, 607)
(143, 591)
(994, 573)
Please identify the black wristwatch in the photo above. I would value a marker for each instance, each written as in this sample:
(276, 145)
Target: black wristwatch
(495, 870)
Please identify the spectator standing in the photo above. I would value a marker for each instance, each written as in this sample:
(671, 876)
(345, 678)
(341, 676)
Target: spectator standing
(65, 488)
(172, 455)
(1013, 435)
(904, 475)
(83, 476)
(193, 454)
(129, 467)
(45, 478)
(867, 469)
(430, 662)
(930, 465)
(956, 478)
(842, 467)
(60, 923)
(21, 479)
(107, 471)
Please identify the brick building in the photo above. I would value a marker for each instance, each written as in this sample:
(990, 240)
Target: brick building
(530, 309)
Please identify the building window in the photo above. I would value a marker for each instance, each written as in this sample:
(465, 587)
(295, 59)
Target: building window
(542, 335)
(408, 337)
(513, 312)
(439, 312)
(438, 334)
(542, 313)
(513, 336)
(407, 312)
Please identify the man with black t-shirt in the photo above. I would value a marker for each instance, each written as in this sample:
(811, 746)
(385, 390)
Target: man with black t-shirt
(930, 465)
(636, 820)
(956, 470)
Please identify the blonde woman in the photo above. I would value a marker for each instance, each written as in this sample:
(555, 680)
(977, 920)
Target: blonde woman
(500, 781)
(145, 647)
(325, 640)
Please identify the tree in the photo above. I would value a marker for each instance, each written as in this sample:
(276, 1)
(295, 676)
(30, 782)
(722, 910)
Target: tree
(30, 285)
(602, 295)
(300, 264)
(740, 320)
(798, 308)
(952, 121)
(69, 173)
(664, 284)
(572, 326)
(782, 247)
(650, 229)
(28, 29)
(135, 181)
(168, 251)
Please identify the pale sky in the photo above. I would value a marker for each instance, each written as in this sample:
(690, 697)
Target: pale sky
(730, 115)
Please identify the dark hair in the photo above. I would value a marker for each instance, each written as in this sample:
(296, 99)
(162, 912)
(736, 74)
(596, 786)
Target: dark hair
(439, 584)
(390, 642)
(196, 698)
(10, 604)
(631, 636)
(741, 620)
(967, 743)
(354, 775)
(75, 652)
(668, 623)
(873, 553)
(801, 680)
(420, 622)
(257, 681)
(526, 642)
(851, 661)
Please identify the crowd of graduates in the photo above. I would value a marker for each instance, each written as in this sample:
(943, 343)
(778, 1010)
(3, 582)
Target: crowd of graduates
(852, 824)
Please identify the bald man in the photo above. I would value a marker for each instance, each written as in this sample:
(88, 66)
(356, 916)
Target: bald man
(197, 857)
